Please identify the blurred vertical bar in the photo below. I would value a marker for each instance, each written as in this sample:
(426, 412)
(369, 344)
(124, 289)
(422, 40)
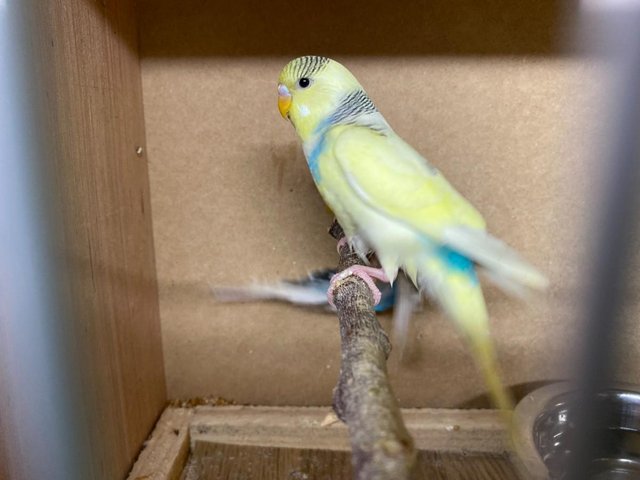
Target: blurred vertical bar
(610, 30)
(40, 432)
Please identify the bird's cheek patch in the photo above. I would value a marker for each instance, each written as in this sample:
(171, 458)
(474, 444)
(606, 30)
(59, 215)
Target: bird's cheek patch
(303, 110)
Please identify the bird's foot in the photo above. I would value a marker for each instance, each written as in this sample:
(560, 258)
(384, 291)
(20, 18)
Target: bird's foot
(341, 243)
(366, 274)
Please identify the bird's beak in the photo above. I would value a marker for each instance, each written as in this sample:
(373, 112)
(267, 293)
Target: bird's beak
(284, 100)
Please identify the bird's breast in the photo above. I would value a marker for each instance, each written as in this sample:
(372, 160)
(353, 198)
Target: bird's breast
(313, 151)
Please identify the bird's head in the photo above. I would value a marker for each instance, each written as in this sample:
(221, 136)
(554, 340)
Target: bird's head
(310, 90)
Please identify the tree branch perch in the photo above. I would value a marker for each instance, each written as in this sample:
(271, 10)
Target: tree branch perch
(381, 445)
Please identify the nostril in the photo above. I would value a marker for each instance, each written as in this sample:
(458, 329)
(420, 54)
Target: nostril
(283, 90)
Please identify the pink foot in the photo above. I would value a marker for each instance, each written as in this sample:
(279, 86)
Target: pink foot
(365, 273)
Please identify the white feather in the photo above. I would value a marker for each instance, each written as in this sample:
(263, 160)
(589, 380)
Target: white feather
(494, 255)
(506, 285)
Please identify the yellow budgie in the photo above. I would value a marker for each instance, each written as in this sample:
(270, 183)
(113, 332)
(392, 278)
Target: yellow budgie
(389, 199)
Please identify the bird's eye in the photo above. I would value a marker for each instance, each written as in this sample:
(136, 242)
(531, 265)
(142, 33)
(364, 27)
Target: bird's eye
(304, 82)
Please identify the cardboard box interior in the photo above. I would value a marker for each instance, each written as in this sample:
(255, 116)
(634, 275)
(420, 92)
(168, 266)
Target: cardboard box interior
(483, 90)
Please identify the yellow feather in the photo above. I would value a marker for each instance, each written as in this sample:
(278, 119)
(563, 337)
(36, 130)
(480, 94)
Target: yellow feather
(462, 300)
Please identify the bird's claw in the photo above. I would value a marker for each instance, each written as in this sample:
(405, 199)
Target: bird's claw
(341, 243)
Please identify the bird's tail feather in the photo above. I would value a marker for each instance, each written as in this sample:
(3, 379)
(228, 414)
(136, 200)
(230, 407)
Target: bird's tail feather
(459, 294)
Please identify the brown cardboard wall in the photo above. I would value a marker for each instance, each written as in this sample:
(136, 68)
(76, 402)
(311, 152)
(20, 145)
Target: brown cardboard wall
(233, 200)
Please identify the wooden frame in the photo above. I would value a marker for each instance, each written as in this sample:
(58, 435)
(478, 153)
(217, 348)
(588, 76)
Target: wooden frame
(179, 430)
(86, 94)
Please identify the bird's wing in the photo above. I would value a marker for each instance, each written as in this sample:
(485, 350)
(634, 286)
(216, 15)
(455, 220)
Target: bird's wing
(390, 176)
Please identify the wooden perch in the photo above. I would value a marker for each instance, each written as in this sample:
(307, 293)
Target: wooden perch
(380, 443)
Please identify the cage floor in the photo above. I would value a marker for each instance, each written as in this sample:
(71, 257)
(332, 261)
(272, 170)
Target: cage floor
(309, 443)
(215, 461)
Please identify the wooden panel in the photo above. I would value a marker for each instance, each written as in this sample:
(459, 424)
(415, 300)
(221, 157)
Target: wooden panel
(88, 52)
(211, 461)
(465, 466)
(313, 428)
(165, 453)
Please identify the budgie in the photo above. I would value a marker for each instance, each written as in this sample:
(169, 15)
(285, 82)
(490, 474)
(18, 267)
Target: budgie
(389, 199)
